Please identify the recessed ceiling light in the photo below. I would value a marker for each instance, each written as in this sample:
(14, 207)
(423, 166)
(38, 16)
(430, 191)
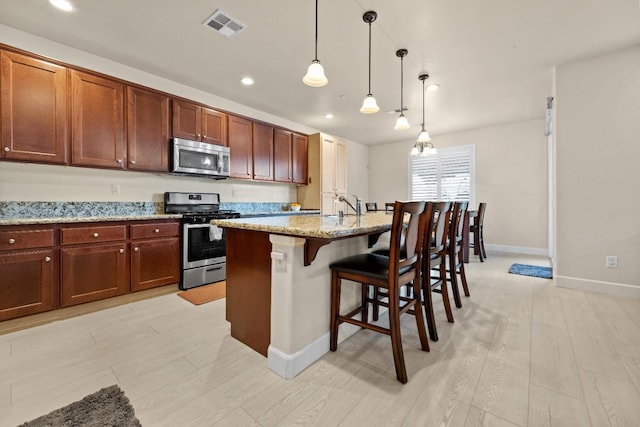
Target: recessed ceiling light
(433, 88)
(62, 5)
(247, 81)
(328, 116)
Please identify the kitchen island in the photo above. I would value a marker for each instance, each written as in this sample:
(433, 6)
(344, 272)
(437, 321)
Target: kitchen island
(279, 281)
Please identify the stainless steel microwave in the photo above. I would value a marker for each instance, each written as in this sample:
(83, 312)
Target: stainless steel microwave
(199, 158)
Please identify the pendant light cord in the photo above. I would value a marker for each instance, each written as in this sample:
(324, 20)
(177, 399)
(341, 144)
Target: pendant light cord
(316, 52)
(423, 104)
(369, 58)
(402, 85)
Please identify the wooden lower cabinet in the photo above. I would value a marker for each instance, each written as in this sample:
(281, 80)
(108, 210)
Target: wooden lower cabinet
(27, 283)
(93, 272)
(155, 255)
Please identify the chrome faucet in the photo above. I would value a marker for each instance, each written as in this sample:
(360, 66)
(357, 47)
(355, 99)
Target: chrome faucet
(358, 208)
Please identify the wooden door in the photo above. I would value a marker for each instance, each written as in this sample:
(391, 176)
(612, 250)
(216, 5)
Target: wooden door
(262, 152)
(187, 120)
(147, 130)
(328, 162)
(34, 109)
(28, 283)
(154, 263)
(299, 162)
(341, 167)
(282, 155)
(93, 272)
(240, 147)
(214, 127)
(98, 121)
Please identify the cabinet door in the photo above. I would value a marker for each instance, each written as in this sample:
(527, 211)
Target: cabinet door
(187, 121)
(240, 147)
(34, 109)
(98, 125)
(328, 206)
(341, 167)
(154, 263)
(214, 127)
(328, 161)
(28, 283)
(299, 164)
(147, 130)
(93, 272)
(282, 155)
(262, 152)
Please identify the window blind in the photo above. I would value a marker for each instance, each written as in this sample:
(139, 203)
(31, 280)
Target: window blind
(446, 176)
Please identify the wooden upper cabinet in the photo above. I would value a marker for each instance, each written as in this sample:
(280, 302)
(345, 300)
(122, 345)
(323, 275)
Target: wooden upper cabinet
(282, 150)
(299, 166)
(147, 130)
(214, 127)
(34, 109)
(262, 152)
(191, 121)
(98, 121)
(240, 147)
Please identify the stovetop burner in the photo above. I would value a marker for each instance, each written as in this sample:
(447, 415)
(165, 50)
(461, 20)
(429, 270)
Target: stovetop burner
(204, 217)
(196, 208)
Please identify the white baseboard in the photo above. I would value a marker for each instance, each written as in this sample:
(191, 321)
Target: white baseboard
(290, 365)
(609, 288)
(515, 250)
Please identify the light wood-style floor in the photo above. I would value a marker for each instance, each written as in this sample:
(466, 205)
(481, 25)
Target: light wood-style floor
(520, 353)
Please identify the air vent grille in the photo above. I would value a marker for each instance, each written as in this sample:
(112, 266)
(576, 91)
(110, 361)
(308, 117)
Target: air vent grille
(224, 24)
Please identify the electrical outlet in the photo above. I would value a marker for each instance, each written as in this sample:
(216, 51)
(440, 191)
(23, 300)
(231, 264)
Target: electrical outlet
(233, 192)
(612, 261)
(115, 189)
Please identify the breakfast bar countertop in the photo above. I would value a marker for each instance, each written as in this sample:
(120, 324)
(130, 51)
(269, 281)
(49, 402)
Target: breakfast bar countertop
(313, 226)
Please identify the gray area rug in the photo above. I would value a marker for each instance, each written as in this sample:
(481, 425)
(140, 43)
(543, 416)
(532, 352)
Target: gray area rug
(107, 407)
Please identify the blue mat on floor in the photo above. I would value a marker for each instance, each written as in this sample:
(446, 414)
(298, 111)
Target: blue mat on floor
(531, 270)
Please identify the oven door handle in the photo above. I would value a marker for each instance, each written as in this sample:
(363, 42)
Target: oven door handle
(214, 269)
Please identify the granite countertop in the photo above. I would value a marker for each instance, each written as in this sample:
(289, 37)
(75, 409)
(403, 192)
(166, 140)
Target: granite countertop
(79, 219)
(314, 226)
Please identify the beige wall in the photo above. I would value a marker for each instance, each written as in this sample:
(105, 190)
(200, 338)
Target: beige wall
(511, 177)
(32, 182)
(597, 149)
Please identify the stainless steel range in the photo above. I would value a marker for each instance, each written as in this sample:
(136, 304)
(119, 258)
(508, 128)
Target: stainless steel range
(203, 247)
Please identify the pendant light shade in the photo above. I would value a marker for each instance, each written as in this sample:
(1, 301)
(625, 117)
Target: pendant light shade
(402, 123)
(315, 76)
(423, 147)
(369, 105)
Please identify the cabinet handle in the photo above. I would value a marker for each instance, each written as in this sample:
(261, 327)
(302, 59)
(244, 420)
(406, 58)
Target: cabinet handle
(136, 249)
(95, 234)
(12, 241)
(121, 251)
(47, 259)
(157, 230)
(7, 149)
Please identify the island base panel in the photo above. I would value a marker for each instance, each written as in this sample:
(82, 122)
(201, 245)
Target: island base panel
(249, 287)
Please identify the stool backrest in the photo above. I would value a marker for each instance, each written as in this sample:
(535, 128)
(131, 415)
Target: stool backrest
(458, 216)
(481, 208)
(441, 224)
(407, 234)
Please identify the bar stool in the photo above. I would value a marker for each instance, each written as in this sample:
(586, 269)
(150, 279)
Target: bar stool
(401, 267)
(455, 251)
(477, 228)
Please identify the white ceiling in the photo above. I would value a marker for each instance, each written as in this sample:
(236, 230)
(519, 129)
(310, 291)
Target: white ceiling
(492, 58)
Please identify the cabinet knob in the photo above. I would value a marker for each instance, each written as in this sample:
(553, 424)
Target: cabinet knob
(119, 160)
(121, 251)
(12, 241)
(47, 258)
(198, 135)
(136, 249)
(157, 230)
(95, 234)
(7, 149)
(133, 162)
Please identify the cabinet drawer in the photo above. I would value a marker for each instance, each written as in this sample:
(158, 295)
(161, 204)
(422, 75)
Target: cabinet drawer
(107, 233)
(25, 239)
(148, 231)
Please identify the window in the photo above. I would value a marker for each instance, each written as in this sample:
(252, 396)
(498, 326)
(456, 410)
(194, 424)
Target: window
(446, 176)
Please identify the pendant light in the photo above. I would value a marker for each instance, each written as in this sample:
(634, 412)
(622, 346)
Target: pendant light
(315, 73)
(402, 123)
(423, 147)
(369, 105)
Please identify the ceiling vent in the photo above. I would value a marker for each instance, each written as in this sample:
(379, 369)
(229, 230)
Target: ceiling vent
(224, 24)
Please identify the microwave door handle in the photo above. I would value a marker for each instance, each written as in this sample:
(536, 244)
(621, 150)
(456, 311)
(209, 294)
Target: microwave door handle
(220, 163)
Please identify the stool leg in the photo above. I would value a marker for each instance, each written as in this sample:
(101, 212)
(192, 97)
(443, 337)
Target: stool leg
(427, 297)
(335, 310)
(419, 312)
(376, 307)
(453, 275)
(463, 275)
(396, 339)
(445, 292)
(365, 304)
